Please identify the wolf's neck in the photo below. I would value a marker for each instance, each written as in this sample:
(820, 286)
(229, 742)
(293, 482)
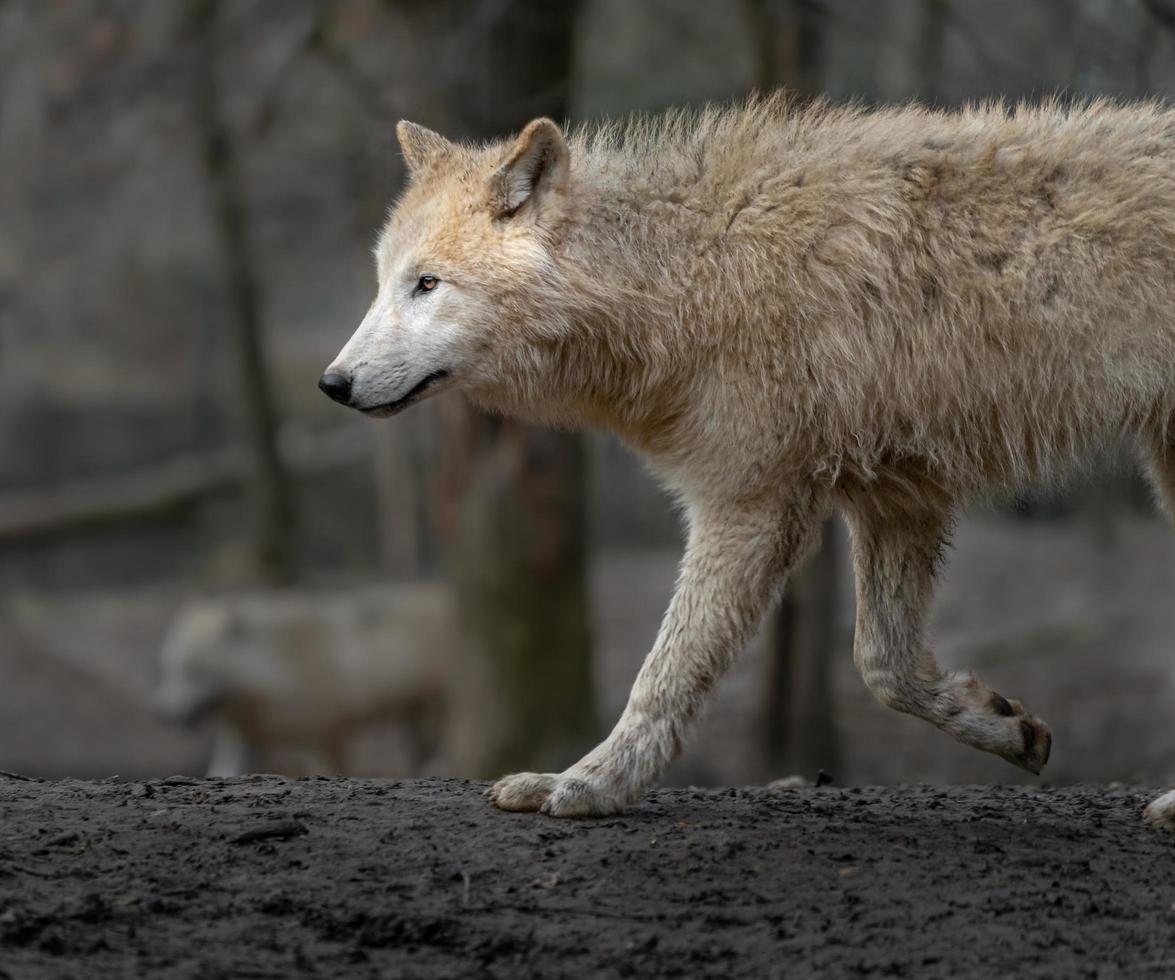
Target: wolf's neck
(609, 324)
(614, 367)
(601, 356)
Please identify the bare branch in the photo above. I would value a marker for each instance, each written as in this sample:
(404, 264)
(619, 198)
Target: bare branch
(273, 511)
(165, 487)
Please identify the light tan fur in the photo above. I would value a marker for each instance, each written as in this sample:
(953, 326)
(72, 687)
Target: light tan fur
(790, 310)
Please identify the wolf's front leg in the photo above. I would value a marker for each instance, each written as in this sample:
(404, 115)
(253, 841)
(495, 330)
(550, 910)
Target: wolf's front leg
(733, 565)
(232, 753)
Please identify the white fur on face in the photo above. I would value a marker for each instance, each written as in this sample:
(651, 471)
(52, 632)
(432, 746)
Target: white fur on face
(406, 339)
(213, 654)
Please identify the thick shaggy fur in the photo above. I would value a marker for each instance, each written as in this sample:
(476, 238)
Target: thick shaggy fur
(790, 310)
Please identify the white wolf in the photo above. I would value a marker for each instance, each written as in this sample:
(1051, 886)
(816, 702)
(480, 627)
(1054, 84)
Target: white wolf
(301, 674)
(790, 311)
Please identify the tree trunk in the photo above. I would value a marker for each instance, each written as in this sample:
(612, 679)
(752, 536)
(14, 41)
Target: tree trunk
(399, 527)
(930, 50)
(515, 515)
(510, 497)
(798, 707)
(268, 490)
(789, 42)
(799, 704)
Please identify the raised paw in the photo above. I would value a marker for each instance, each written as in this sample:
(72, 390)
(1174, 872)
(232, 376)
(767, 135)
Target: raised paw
(1030, 742)
(1161, 812)
(989, 721)
(553, 795)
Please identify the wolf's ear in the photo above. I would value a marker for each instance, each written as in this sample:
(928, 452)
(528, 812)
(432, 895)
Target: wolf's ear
(419, 145)
(537, 166)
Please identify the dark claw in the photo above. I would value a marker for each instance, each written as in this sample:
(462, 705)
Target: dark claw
(1001, 706)
(1029, 734)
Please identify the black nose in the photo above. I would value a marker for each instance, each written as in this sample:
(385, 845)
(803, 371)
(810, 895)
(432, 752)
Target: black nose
(336, 386)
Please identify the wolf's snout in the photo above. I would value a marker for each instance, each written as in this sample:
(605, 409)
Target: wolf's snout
(336, 386)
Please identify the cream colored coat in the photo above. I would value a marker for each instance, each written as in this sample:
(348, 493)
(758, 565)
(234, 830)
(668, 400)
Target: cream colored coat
(789, 311)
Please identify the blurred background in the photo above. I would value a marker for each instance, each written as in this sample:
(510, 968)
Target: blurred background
(204, 563)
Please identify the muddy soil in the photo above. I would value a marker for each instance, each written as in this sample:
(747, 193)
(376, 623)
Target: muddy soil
(262, 877)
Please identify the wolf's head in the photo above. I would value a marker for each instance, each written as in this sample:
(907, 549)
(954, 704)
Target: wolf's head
(458, 263)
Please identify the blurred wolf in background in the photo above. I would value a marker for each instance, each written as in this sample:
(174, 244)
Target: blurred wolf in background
(791, 310)
(298, 676)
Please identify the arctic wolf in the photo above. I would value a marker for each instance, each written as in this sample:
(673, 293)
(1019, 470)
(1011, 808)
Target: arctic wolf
(790, 310)
(303, 674)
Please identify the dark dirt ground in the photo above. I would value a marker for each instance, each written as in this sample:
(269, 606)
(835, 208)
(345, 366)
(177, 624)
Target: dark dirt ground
(262, 877)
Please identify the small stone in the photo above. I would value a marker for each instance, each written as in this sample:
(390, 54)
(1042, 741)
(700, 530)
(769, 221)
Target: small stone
(789, 782)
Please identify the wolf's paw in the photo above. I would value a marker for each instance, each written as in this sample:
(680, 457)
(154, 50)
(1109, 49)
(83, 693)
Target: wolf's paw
(556, 795)
(989, 721)
(523, 792)
(1161, 812)
(1030, 740)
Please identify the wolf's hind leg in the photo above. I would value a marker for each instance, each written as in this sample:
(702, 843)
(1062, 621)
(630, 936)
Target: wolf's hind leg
(1161, 457)
(894, 559)
(232, 753)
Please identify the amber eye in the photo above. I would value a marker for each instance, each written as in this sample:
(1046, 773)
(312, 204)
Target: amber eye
(427, 284)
